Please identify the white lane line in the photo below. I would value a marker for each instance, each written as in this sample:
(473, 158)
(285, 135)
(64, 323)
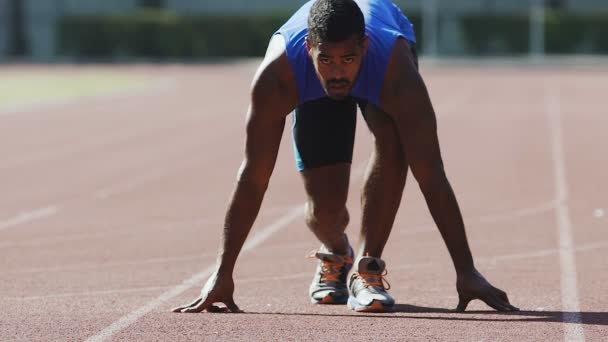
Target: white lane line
(195, 280)
(89, 293)
(573, 329)
(28, 217)
(120, 188)
(490, 218)
(598, 213)
(98, 266)
(518, 213)
(279, 224)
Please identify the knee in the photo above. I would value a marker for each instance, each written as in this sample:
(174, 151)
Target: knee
(320, 215)
(430, 177)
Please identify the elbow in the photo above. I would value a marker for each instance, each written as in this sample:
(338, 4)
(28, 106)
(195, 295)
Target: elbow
(431, 177)
(253, 177)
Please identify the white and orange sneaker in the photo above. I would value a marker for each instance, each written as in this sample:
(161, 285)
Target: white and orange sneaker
(366, 287)
(329, 284)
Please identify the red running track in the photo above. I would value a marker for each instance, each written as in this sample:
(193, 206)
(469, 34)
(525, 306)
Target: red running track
(111, 211)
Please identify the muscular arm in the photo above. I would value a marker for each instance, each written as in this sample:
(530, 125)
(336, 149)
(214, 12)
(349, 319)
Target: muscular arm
(273, 96)
(406, 99)
(271, 101)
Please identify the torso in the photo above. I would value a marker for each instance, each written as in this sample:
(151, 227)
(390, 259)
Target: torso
(384, 25)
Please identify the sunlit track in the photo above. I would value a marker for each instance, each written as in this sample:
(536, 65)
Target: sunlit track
(91, 293)
(489, 219)
(158, 86)
(195, 280)
(305, 275)
(103, 231)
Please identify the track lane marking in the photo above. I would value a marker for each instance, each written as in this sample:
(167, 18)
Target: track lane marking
(483, 259)
(98, 266)
(491, 218)
(88, 293)
(28, 216)
(573, 329)
(194, 280)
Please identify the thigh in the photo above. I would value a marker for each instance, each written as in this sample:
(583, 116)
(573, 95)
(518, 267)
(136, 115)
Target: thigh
(324, 132)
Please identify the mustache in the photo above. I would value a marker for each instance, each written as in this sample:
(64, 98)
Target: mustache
(338, 82)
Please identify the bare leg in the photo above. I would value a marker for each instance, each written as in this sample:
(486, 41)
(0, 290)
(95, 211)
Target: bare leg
(326, 213)
(384, 183)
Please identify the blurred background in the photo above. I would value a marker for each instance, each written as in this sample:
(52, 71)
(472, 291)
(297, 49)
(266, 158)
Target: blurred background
(199, 30)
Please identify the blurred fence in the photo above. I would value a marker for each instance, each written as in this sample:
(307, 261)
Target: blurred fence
(194, 29)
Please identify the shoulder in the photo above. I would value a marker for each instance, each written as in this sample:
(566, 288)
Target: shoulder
(274, 79)
(402, 81)
(274, 84)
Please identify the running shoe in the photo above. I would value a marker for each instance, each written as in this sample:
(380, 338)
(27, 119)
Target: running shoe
(329, 284)
(366, 287)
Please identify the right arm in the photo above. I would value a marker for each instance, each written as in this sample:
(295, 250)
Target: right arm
(265, 124)
(273, 97)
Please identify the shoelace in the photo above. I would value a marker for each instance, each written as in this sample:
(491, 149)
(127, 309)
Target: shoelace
(374, 280)
(331, 271)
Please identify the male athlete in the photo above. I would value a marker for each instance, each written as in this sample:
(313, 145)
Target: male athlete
(329, 57)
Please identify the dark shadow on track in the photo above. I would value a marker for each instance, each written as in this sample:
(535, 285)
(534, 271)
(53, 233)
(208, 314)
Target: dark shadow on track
(587, 318)
(590, 318)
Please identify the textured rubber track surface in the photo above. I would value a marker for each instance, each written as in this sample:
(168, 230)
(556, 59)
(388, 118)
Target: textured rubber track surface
(109, 203)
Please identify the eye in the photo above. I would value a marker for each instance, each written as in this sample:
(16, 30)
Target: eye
(324, 60)
(348, 60)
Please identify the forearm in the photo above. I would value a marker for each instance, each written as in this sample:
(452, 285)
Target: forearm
(443, 206)
(242, 212)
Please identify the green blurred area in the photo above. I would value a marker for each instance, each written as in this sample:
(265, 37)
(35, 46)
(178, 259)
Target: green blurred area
(565, 33)
(22, 88)
(161, 34)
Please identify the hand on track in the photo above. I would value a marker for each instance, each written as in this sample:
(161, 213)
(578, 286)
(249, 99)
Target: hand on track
(217, 289)
(474, 286)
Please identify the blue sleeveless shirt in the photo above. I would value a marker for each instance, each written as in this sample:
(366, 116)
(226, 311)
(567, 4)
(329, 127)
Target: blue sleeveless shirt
(384, 23)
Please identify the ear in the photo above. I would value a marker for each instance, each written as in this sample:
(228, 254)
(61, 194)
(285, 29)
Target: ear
(308, 46)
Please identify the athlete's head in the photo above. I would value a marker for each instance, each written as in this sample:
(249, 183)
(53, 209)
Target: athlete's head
(336, 44)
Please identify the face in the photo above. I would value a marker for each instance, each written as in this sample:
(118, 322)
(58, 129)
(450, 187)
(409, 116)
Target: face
(338, 64)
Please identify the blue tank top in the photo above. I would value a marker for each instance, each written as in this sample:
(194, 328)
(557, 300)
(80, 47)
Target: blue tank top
(384, 23)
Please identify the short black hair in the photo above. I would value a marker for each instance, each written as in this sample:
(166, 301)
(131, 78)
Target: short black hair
(334, 21)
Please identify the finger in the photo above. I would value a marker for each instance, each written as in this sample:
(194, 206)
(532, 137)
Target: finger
(463, 302)
(512, 308)
(502, 295)
(194, 309)
(493, 301)
(509, 307)
(202, 305)
(232, 306)
(180, 308)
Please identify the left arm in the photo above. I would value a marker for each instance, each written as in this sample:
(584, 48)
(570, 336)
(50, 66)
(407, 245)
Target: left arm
(406, 99)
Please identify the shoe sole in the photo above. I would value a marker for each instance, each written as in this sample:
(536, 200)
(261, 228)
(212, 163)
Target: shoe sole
(329, 300)
(375, 306)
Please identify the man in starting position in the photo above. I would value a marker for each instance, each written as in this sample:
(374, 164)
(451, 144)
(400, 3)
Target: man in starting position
(329, 57)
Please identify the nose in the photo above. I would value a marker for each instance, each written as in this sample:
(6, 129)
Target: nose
(338, 72)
